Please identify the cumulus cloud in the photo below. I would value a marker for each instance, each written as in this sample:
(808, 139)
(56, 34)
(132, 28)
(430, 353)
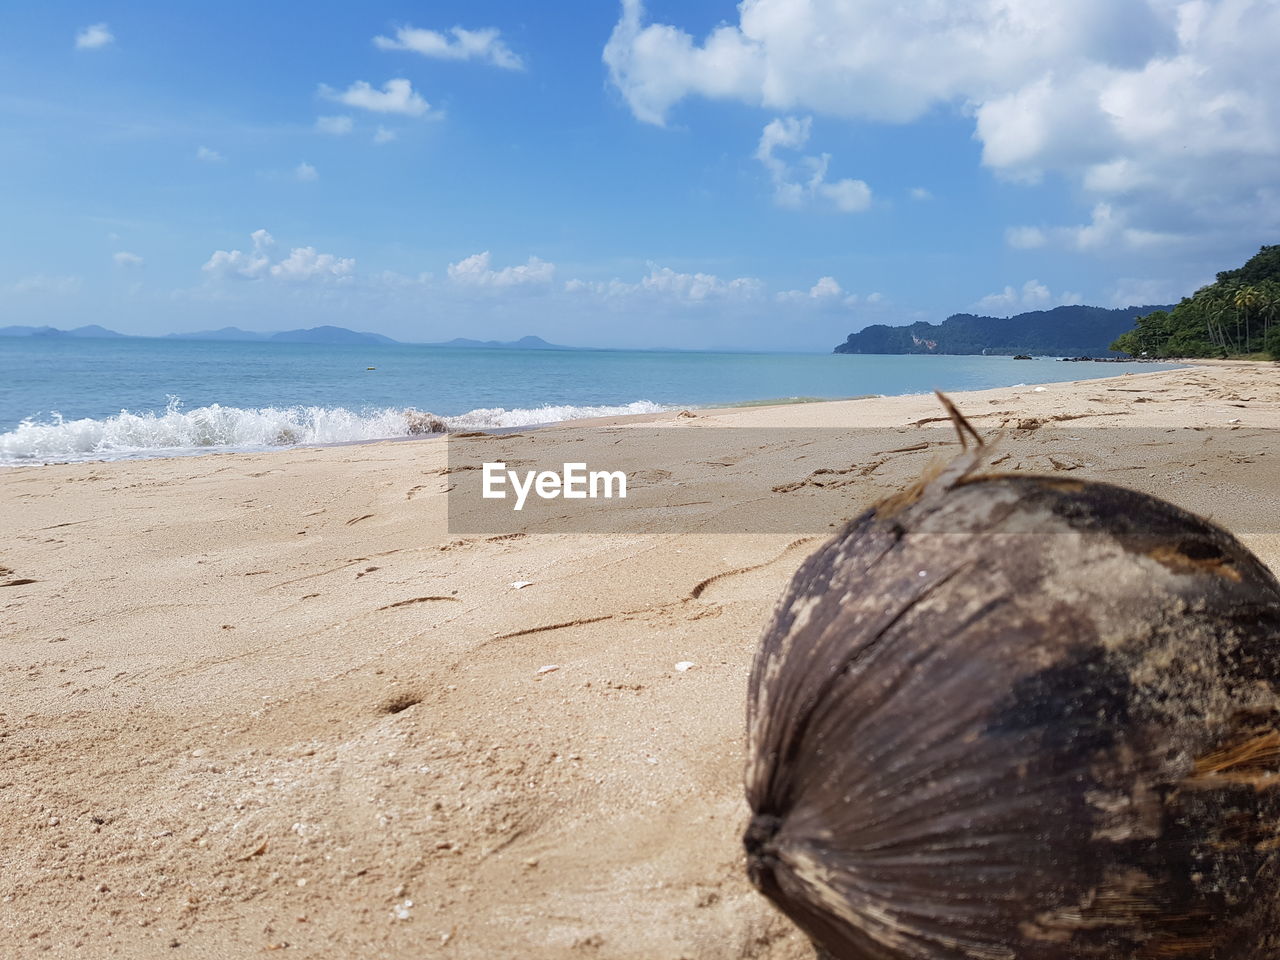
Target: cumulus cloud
(1108, 229)
(805, 183)
(396, 96)
(1164, 110)
(335, 126)
(126, 259)
(1033, 295)
(826, 290)
(485, 45)
(698, 286)
(235, 265)
(477, 270)
(877, 59)
(920, 193)
(94, 37)
(209, 155)
(306, 173)
(383, 135)
(302, 263)
(665, 283)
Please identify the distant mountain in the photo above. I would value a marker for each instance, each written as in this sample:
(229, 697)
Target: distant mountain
(91, 332)
(327, 334)
(1075, 331)
(226, 333)
(524, 343)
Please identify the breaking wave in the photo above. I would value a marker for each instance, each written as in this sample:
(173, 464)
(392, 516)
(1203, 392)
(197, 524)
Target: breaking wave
(215, 428)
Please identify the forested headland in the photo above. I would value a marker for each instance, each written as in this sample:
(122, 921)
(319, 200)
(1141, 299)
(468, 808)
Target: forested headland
(1238, 315)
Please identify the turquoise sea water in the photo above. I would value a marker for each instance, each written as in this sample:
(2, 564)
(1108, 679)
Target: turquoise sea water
(67, 399)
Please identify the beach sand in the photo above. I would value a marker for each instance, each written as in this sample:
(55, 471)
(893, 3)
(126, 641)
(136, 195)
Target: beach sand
(267, 702)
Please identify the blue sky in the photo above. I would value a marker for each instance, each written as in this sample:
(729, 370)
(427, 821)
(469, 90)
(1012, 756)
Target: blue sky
(695, 174)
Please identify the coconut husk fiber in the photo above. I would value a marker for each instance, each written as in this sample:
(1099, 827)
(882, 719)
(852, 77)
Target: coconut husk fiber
(1012, 717)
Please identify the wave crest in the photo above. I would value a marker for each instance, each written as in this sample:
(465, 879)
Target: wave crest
(179, 432)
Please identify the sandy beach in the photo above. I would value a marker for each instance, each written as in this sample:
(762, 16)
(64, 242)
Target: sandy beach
(261, 702)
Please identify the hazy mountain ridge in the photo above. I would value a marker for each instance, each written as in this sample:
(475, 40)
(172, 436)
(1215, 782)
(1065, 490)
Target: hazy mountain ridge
(524, 343)
(323, 334)
(91, 332)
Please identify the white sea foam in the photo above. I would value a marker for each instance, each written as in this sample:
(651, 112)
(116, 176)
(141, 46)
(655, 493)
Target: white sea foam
(178, 432)
(527, 417)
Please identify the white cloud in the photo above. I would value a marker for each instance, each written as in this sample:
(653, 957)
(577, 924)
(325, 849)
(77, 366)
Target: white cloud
(94, 37)
(656, 66)
(126, 259)
(665, 283)
(920, 193)
(235, 265)
(302, 263)
(396, 96)
(306, 173)
(826, 290)
(383, 135)
(1033, 295)
(1163, 109)
(476, 270)
(336, 126)
(1025, 238)
(42, 283)
(1107, 229)
(791, 187)
(485, 45)
(877, 59)
(209, 155)
(698, 286)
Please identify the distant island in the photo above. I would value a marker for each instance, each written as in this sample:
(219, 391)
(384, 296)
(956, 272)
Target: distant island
(324, 334)
(1071, 331)
(91, 332)
(524, 343)
(1238, 315)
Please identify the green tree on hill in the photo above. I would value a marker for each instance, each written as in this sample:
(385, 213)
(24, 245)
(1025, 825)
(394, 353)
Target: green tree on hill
(1272, 342)
(1235, 315)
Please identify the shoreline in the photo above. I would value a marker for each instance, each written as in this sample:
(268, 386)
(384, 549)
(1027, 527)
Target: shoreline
(649, 417)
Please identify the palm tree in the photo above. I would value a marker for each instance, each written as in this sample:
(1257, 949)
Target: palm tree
(1214, 307)
(1246, 300)
(1268, 304)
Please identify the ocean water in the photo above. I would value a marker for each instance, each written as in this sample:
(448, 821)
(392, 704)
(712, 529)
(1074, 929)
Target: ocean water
(67, 400)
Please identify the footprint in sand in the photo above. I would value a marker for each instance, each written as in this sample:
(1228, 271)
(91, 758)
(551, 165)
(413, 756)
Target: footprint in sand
(7, 578)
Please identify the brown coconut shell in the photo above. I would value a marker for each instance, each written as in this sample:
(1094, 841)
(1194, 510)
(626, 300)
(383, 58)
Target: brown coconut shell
(1012, 717)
